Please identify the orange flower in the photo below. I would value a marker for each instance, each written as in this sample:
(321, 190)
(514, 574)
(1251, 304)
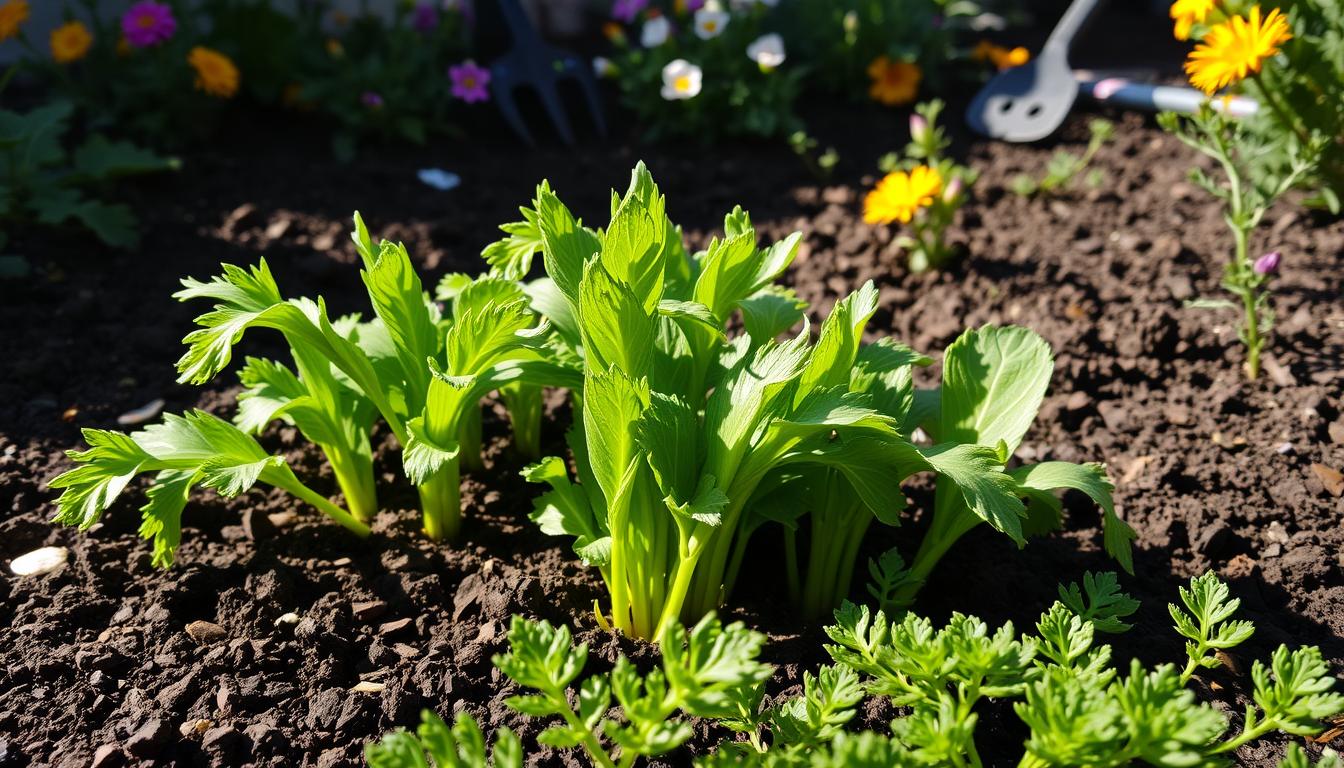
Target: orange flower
(216, 73)
(1236, 49)
(12, 15)
(894, 82)
(900, 195)
(70, 42)
(999, 56)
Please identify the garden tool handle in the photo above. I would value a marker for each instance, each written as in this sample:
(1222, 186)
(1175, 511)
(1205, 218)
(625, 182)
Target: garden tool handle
(1161, 98)
(1070, 25)
(516, 19)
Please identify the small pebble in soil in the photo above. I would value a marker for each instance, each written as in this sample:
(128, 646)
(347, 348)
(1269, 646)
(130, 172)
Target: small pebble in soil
(205, 632)
(1331, 478)
(150, 410)
(40, 561)
(368, 610)
(368, 686)
(193, 727)
(285, 619)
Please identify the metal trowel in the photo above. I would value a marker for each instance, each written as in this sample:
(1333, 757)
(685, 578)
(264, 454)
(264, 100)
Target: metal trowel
(1030, 102)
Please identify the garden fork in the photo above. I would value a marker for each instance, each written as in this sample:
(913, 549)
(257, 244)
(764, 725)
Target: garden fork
(533, 63)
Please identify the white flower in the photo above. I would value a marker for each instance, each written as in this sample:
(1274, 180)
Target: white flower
(709, 23)
(655, 32)
(767, 51)
(602, 67)
(681, 80)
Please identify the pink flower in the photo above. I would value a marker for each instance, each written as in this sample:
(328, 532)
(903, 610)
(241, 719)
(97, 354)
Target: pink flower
(626, 10)
(371, 99)
(425, 18)
(470, 82)
(148, 23)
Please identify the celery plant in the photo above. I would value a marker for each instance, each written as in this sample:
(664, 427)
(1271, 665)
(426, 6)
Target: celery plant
(681, 428)
(422, 372)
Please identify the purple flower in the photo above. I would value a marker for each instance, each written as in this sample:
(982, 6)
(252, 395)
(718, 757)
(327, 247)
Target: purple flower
(919, 128)
(626, 10)
(1267, 264)
(470, 82)
(694, 5)
(425, 18)
(148, 23)
(371, 99)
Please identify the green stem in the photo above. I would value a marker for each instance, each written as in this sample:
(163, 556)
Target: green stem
(323, 504)
(1032, 761)
(1250, 310)
(441, 503)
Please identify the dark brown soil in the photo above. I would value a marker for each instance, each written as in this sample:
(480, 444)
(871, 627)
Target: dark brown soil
(1213, 471)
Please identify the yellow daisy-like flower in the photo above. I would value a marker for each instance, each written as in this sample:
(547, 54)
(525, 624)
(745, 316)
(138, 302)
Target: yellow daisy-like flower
(894, 82)
(1235, 49)
(12, 15)
(70, 42)
(1188, 13)
(900, 195)
(216, 73)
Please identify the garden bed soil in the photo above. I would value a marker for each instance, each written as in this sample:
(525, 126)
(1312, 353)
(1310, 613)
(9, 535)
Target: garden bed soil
(96, 663)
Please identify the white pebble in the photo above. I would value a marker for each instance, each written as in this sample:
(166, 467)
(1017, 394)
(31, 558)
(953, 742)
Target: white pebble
(142, 414)
(40, 561)
(364, 686)
(287, 618)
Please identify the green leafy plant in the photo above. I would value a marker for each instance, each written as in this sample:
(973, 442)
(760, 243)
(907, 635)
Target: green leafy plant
(46, 183)
(923, 189)
(994, 380)
(718, 71)
(461, 745)
(195, 449)
(1079, 709)
(1064, 167)
(1257, 169)
(683, 429)
(421, 369)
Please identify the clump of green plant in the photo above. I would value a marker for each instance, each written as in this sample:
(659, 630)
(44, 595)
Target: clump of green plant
(1080, 710)
(1064, 167)
(422, 369)
(45, 182)
(712, 72)
(1257, 170)
(922, 191)
(1077, 706)
(968, 420)
(683, 428)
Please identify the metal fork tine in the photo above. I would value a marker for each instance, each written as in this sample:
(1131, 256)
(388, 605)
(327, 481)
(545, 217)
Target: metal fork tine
(508, 107)
(588, 84)
(550, 99)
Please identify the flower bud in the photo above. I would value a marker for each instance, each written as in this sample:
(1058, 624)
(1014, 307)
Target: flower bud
(953, 190)
(919, 128)
(1267, 264)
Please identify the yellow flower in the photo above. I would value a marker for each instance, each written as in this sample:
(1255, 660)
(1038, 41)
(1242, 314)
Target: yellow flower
(12, 15)
(70, 42)
(334, 48)
(894, 82)
(215, 72)
(1188, 13)
(1235, 49)
(899, 195)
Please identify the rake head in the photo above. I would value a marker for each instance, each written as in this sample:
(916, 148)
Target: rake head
(533, 63)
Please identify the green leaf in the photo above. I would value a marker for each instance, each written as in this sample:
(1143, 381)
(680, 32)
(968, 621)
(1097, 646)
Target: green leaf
(994, 380)
(771, 311)
(99, 158)
(977, 472)
(423, 457)
(1100, 601)
(1092, 480)
(1293, 693)
(617, 331)
(709, 667)
(1207, 625)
